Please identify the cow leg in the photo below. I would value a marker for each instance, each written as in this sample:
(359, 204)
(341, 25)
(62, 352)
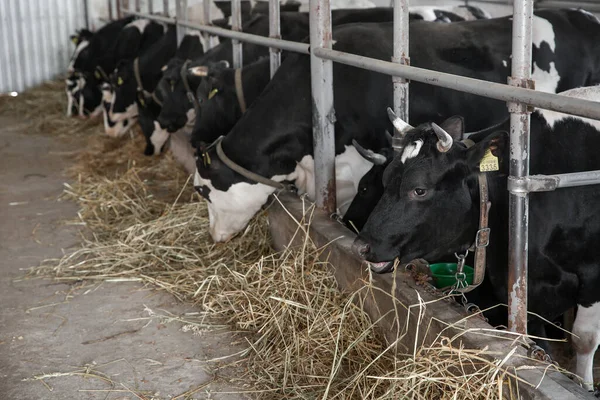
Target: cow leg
(586, 331)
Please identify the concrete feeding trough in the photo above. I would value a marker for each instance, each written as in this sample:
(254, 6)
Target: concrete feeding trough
(435, 317)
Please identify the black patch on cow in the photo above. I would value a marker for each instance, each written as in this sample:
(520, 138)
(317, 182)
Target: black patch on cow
(471, 57)
(543, 56)
(204, 191)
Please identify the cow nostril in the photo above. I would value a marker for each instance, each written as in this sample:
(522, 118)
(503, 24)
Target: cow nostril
(361, 248)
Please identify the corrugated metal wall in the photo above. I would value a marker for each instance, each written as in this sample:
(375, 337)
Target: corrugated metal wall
(34, 40)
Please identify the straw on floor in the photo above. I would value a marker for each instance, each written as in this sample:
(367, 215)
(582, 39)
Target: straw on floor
(304, 338)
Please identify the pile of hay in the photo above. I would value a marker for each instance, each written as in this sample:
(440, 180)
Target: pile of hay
(305, 338)
(44, 108)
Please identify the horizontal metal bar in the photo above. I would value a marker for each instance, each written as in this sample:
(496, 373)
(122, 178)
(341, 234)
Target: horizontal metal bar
(548, 183)
(247, 37)
(153, 17)
(550, 101)
(242, 36)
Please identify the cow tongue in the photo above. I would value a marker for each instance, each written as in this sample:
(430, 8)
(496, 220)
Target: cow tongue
(380, 267)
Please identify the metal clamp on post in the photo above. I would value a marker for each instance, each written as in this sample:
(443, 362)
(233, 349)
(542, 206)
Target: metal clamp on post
(520, 107)
(532, 183)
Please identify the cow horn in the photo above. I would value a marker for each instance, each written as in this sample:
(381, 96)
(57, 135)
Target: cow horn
(401, 126)
(389, 137)
(444, 139)
(369, 155)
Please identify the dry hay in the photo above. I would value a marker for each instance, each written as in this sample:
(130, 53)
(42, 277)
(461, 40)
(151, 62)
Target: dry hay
(44, 108)
(305, 338)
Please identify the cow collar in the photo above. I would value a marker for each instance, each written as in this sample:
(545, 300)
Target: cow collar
(142, 94)
(239, 89)
(482, 237)
(190, 95)
(249, 174)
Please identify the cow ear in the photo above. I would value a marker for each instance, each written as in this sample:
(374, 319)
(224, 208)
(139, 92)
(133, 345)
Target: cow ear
(200, 70)
(75, 39)
(455, 126)
(487, 155)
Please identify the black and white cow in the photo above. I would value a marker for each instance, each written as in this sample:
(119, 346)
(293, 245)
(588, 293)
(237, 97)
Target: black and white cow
(274, 137)
(127, 91)
(148, 114)
(430, 208)
(135, 37)
(447, 13)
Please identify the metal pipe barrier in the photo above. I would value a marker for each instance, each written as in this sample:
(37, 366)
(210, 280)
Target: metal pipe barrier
(518, 206)
(274, 33)
(236, 26)
(518, 95)
(401, 56)
(323, 113)
(181, 13)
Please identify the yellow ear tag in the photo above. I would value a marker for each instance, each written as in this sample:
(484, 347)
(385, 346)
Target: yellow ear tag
(212, 93)
(97, 75)
(119, 81)
(206, 159)
(489, 162)
(75, 40)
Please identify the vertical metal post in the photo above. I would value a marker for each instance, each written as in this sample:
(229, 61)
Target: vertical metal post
(208, 38)
(166, 7)
(323, 113)
(110, 10)
(181, 15)
(119, 15)
(401, 56)
(138, 5)
(275, 33)
(236, 25)
(150, 6)
(519, 167)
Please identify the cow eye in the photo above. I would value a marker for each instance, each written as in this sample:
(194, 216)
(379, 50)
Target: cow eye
(363, 190)
(419, 192)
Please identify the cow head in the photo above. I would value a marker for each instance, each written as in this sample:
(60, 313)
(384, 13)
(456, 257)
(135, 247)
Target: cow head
(111, 127)
(125, 91)
(156, 137)
(429, 207)
(82, 58)
(370, 187)
(220, 106)
(232, 199)
(84, 96)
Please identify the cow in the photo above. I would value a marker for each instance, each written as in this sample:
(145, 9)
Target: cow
(133, 80)
(223, 101)
(135, 37)
(370, 187)
(430, 207)
(274, 137)
(155, 135)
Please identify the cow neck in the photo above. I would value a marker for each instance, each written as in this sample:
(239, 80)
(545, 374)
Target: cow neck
(186, 84)
(249, 174)
(239, 89)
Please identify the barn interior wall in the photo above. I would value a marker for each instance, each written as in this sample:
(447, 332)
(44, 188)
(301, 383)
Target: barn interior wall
(34, 40)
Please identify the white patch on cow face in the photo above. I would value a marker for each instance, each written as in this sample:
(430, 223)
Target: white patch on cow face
(544, 32)
(230, 211)
(78, 50)
(586, 338)
(591, 93)
(140, 24)
(158, 138)
(411, 150)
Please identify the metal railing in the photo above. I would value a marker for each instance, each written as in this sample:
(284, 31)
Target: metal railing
(516, 94)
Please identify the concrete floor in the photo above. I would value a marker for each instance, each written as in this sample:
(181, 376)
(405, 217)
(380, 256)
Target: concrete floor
(61, 330)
